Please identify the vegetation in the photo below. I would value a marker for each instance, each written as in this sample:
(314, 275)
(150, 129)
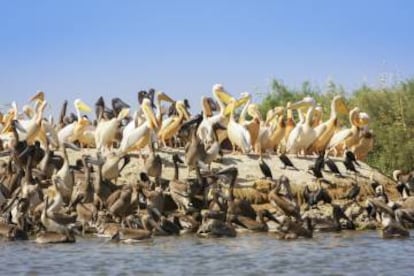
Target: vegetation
(390, 110)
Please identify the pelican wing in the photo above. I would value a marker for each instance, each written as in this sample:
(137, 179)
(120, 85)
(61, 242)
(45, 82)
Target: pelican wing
(339, 137)
(239, 136)
(133, 137)
(64, 135)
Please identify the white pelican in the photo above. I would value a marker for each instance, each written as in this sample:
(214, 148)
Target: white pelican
(364, 145)
(65, 134)
(303, 135)
(140, 136)
(346, 138)
(253, 125)
(168, 131)
(106, 130)
(273, 131)
(84, 133)
(33, 126)
(238, 135)
(205, 130)
(139, 116)
(328, 128)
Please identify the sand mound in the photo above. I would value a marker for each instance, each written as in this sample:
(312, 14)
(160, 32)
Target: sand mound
(248, 186)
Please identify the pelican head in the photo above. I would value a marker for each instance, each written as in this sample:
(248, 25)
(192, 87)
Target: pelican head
(234, 103)
(221, 94)
(318, 110)
(363, 119)
(80, 105)
(28, 111)
(161, 96)
(38, 97)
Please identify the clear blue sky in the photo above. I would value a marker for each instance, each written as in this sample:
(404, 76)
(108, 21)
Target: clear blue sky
(85, 49)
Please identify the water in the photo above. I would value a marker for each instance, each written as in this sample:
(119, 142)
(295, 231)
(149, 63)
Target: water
(362, 253)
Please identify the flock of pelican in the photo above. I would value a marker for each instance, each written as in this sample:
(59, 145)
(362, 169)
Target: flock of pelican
(44, 194)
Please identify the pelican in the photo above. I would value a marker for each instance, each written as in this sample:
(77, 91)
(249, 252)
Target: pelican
(140, 136)
(49, 223)
(168, 131)
(64, 177)
(205, 130)
(161, 96)
(139, 117)
(65, 134)
(223, 98)
(365, 144)
(33, 126)
(110, 167)
(253, 125)
(238, 135)
(303, 135)
(327, 128)
(271, 136)
(106, 130)
(350, 136)
(290, 122)
(84, 133)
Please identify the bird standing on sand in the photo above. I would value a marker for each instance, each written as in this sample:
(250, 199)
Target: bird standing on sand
(333, 167)
(353, 192)
(286, 162)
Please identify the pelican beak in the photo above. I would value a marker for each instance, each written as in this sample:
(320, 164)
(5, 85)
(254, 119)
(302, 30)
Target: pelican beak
(243, 100)
(230, 107)
(298, 104)
(124, 113)
(82, 106)
(223, 96)
(150, 116)
(38, 97)
(342, 108)
(164, 97)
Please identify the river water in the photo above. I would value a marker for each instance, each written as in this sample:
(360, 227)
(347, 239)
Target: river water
(346, 253)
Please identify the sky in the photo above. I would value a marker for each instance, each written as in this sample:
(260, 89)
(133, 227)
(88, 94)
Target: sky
(84, 49)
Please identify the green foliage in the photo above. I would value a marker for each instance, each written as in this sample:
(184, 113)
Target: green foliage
(390, 110)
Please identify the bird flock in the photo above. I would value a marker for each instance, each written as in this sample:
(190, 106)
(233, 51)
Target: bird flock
(47, 197)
